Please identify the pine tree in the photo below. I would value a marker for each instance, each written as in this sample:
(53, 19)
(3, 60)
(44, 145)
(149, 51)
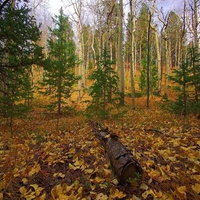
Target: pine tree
(104, 90)
(60, 75)
(187, 76)
(18, 51)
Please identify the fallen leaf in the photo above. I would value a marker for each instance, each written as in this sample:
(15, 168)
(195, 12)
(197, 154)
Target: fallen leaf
(1, 196)
(99, 179)
(143, 186)
(101, 196)
(147, 193)
(180, 192)
(34, 170)
(24, 180)
(196, 188)
(135, 198)
(115, 181)
(56, 192)
(115, 193)
(23, 190)
(42, 197)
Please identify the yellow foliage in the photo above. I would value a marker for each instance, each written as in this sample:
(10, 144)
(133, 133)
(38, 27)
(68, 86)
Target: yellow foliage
(196, 188)
(34, 170)
(115, 193)
(180, 192)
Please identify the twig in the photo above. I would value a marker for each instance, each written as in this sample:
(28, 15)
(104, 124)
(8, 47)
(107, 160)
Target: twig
(165, 134)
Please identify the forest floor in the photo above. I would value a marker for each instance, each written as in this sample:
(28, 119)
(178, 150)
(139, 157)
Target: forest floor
(58, 159)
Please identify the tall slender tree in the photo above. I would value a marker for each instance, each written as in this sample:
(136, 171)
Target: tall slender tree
(133, 58)
(59, 71)
(18, 51)
(120, 63)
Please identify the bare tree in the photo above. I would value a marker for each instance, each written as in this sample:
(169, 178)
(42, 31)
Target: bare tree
(133, 58)
(120, 63)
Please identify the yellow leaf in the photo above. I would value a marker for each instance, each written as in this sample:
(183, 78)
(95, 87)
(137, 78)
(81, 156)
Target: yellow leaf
(93, 187)
(164, 175)
(143, 186)
(67, 188)
(107, 136)
(50, 160)
(24, 180)
(2, 184)
(99, 179)
(60, 175)
(34, 170)
(149, 163)
(135, 198)
(35, 186)
(115, 181)
(180, 192)
(30, 196)
(43, 197)
(88, 171)
(80, 191)
(196, 188)
(56, 192)
(147, 193)
(107, 172)
(72, 150)
(154, 174)
(38, 189)
(196, 177)
(1, 196)
(115, 193)
(23, 190)
(101, 196)
(73, 167)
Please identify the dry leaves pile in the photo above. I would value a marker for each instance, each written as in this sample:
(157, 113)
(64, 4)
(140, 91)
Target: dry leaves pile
(40, 162)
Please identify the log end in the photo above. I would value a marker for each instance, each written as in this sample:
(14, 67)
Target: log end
(131, 172)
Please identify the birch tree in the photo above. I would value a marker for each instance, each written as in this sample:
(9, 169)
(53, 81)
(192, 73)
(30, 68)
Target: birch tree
(120, 63)
(133, 59)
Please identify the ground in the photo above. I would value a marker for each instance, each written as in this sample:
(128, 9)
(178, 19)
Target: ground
(47, 157)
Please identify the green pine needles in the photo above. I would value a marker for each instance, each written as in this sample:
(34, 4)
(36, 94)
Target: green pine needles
(104, 91)
(187, 76)
(18, 51)
(60, 77)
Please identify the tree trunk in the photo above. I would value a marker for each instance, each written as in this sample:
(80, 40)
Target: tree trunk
(132, 62)
(120, 54)
(196, 24)
(158, 54)
(78, 11)
(124, 165)
(166, 65)
(148, 60)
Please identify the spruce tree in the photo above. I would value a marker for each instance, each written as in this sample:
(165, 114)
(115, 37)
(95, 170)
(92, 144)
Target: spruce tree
(187, 77)
(18, 51)
(60, 76)
(104, 91)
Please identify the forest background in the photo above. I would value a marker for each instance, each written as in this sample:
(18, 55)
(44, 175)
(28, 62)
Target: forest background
(133, 65)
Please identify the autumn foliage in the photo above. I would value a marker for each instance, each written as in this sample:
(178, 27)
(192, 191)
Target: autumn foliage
(41, 161)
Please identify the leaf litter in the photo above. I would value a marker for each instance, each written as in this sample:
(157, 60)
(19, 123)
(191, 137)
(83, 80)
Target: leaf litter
(42, 162)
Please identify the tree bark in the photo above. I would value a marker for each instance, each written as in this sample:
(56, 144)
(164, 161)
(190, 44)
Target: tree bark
(120, 54)
(166, 65)
(124, 165)
(133, 62)
(148, 60)
(158, 54)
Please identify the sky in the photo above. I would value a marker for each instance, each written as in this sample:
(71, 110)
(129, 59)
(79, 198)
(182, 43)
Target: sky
(167, 5)
(55, 5)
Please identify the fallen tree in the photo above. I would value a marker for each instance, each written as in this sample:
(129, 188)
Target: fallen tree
(124, 165)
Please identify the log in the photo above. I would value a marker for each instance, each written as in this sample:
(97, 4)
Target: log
(124, 165)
